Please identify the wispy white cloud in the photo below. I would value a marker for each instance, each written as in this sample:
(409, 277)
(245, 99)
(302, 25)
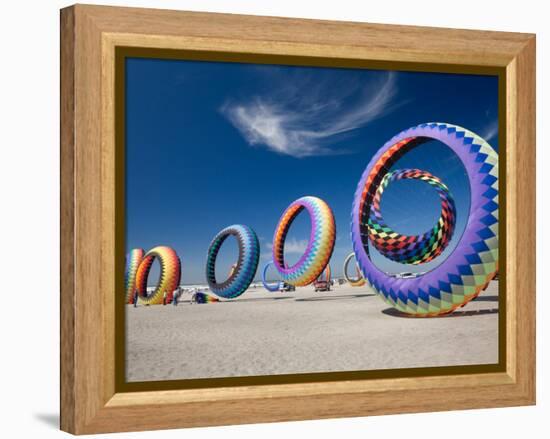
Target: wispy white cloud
(292, 246)
(296, 246)
(490, 131)
(305, 120)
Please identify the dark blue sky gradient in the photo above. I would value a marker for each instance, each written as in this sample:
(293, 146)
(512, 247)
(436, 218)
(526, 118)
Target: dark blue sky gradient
(190, 172)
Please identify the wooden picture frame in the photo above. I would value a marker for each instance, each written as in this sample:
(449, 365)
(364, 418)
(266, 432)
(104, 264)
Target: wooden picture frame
(91, 400)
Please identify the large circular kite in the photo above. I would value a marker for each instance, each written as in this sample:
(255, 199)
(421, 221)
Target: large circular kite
(273, 287)
(244, 272)
(320, 245)
(326, 274)
(133, 259)
(170, 275)
(412, 249)
(359, 281)
(473, 262)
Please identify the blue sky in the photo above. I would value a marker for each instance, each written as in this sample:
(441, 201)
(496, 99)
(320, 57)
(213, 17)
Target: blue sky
(213, 144)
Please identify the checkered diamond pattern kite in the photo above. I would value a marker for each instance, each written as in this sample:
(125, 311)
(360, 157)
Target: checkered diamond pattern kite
(474, 261)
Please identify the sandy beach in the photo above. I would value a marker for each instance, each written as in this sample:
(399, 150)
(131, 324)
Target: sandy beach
(262, 333)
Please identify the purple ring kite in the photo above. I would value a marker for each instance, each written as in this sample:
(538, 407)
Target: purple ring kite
(474, 261)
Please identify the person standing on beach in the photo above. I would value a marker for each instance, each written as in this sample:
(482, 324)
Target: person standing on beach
(175, 298)
(164, 298)
(135, 298)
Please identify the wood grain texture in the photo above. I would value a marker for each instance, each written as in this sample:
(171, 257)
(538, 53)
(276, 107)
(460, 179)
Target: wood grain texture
(373, 41)
(89, 35)
(521, 172)
(67, 254)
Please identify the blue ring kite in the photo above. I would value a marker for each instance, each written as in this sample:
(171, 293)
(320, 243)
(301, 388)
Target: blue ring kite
(243, 274)
(269, 287)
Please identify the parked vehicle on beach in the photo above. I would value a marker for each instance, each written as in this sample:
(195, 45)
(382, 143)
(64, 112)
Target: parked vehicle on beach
(283, 286)
(321, 285)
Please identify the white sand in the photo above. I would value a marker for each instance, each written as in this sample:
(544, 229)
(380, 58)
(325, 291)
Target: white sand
(262, 333)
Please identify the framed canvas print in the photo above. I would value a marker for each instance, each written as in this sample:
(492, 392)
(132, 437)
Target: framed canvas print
(269, 219)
